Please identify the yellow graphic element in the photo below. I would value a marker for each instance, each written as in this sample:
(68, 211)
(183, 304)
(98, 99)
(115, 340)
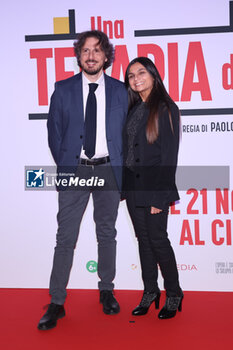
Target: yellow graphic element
(133, 266)
(61, 25)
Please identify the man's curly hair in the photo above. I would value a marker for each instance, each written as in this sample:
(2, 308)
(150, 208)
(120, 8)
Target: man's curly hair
(103, 41)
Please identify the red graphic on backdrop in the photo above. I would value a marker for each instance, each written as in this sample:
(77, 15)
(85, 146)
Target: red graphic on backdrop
(220, 228)
(195, 61)
(179, 90)
(112, 29)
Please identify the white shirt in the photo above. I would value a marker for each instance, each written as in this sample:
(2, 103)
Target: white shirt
(101, 149)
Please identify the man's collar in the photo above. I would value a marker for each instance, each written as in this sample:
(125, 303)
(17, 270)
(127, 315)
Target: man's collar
(99, 81)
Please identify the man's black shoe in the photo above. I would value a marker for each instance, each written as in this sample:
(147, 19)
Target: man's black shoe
(49, 320)
(110, 305)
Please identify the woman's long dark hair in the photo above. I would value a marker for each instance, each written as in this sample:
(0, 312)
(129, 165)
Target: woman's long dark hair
(158, 95)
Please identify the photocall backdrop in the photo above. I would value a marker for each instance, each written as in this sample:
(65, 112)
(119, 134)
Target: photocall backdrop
(191, 42)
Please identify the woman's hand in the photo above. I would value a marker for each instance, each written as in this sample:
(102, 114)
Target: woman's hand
(154, 210)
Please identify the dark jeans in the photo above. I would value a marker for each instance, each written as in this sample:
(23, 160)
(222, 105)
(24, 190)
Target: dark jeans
(154, 247)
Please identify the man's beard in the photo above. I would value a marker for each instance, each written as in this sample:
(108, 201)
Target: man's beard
(92, 72)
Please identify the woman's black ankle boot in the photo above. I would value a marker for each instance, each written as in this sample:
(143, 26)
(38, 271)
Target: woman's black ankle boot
(147, 299)
(172, 304)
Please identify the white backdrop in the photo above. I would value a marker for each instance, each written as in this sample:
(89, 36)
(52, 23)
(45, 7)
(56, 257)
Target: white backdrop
(192, 65)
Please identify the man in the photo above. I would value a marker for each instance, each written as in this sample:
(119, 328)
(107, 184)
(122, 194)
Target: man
(85, 132)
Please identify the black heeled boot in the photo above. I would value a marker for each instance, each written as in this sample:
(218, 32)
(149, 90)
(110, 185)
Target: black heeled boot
(147, 299)
(172, 304)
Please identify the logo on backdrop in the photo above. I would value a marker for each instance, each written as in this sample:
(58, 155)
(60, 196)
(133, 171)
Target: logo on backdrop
(224, 267)
(180, 86)
(35, 178)
(91, 266)
(186, 267)
(134, 266)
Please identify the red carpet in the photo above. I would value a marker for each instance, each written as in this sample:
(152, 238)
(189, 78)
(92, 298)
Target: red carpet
(206, 322)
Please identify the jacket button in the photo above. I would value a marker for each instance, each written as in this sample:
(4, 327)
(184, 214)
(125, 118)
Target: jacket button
(136, 144)
(81, 136)
(137, 160)
(137, 176)
(77, 157)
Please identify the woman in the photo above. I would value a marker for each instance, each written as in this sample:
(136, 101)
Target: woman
(151, 138)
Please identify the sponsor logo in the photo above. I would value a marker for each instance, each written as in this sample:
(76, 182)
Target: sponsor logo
(224, 267)
(35, 178)
(184, 267)
(134, 266)
(91, 266)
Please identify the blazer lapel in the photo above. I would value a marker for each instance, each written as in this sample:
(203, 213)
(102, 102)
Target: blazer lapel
(108, 100)
(143, 121)
(79, 98)
(142, 124)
